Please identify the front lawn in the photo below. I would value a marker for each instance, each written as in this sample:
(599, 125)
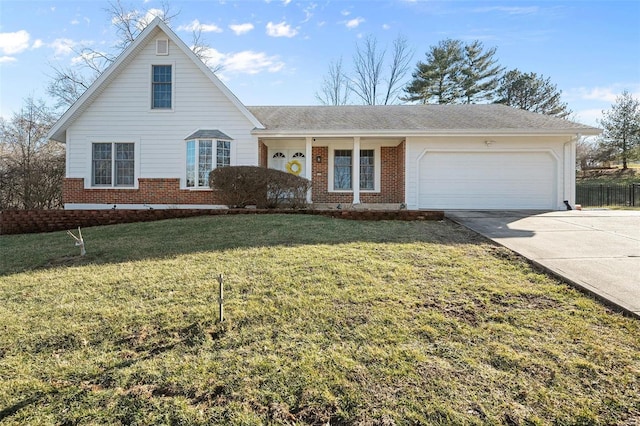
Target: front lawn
(328, 322)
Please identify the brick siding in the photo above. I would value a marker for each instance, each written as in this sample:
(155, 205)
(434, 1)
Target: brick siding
(150, 191)
(392, 176)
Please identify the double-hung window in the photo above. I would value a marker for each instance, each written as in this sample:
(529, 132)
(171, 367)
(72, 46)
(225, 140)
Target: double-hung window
(201, 160)
(161, 86)
(343, 170)
(113, 164)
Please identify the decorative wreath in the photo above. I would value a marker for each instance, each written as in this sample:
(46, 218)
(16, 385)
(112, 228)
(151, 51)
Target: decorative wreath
(294, 167)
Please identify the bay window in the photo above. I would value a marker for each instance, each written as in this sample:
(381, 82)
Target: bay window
(200, 160)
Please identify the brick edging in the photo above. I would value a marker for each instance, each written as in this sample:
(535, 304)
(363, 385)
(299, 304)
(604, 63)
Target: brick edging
(32, 221)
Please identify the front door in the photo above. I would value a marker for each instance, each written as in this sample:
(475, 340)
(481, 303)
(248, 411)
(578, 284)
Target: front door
(287, 160)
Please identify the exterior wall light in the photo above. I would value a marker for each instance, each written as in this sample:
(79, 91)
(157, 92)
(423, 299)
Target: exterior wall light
(318, 159)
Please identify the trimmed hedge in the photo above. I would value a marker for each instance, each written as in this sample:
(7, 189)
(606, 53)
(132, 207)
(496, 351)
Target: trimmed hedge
(241, 186)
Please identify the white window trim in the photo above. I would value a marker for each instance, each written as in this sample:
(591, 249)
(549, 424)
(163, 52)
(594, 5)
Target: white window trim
(173, 88)
(88, 181)
(376, 164)
(214, 161)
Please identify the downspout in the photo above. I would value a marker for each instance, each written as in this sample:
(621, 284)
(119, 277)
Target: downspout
(569, 177)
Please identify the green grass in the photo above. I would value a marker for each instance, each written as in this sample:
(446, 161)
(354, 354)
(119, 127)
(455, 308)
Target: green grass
(328, 321)
(617, 176)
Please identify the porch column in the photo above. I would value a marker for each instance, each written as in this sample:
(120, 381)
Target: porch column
(355, 183)
(308, 163)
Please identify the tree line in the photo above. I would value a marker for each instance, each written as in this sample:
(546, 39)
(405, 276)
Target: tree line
(452, 72)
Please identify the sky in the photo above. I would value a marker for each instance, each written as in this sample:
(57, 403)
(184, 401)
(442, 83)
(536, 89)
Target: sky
(277, 52)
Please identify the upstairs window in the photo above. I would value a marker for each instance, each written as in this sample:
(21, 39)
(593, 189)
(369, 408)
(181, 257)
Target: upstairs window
(200, 160)
(113, 164)
(161, 87)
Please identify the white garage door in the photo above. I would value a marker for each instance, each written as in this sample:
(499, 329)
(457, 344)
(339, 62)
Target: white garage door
(487, 180)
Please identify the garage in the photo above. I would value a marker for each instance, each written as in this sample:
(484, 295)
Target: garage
(481, 180)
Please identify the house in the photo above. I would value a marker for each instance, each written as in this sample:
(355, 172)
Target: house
(149, 130)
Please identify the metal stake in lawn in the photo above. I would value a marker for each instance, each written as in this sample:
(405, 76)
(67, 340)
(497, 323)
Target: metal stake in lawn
(79, 241)
(221, 297)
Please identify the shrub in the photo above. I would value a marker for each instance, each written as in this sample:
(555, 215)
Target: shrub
(241, 186)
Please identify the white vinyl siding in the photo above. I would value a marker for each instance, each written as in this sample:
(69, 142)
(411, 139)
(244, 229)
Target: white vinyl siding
(122, 112)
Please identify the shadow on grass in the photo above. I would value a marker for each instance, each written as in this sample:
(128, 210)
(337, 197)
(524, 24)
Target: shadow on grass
(190, 336)
(170, 238)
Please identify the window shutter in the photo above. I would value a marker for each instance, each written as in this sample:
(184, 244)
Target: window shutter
(162, 47)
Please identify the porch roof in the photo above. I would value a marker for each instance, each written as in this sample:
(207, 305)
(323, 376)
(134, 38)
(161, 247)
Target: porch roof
(410, 120)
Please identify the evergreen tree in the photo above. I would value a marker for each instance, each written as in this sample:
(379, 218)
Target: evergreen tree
(621, 127)
(531, 92)
(480, 74)
(438, 79)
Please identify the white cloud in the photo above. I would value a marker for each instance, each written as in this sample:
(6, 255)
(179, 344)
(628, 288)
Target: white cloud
(280, 30)
(74, 22)
(87, 56)
(195, 25)
(603, 94)
(345, 13)
(37, 44)
(386, 26)
(63, 46)
(286, 2)
(354, 23)
(148, 17)
(240, 29)
(16, 42)
(589, 117)
(244, 62)
(7, 59)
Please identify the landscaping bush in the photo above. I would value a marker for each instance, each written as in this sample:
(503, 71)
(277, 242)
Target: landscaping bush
(242, 186)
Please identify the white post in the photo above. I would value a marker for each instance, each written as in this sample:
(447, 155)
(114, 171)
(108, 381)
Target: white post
(355, 170)
(308, 163)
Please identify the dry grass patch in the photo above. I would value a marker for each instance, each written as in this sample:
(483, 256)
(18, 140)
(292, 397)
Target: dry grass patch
(329, 321)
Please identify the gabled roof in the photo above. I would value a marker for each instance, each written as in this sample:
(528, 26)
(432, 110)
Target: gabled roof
(402, 120)
(58, 131)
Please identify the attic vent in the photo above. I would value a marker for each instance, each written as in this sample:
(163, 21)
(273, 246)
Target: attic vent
(162, 46)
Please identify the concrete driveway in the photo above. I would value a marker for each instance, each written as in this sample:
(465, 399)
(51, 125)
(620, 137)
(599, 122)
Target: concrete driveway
(595, 250)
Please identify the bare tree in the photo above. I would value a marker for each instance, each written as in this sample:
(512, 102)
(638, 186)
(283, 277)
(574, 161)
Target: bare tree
(367, 69)
(31, 167)
(67, 84)
(398, 68)
(368, 82)
(335, 86)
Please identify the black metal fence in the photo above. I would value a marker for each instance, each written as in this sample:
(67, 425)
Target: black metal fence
(603, 195)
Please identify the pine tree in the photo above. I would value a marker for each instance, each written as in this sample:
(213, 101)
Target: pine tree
(480, 74)
(439, 77)
(621, 127)
(531, 92)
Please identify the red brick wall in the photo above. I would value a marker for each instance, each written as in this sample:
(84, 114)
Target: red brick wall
(150, 191)
(262, 154)
(392, 176)
(31, 221)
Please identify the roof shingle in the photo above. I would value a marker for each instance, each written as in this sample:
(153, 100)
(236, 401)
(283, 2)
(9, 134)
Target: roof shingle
(414, 118)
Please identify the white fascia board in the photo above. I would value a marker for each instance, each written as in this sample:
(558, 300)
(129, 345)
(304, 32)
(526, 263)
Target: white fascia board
(440, 132)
